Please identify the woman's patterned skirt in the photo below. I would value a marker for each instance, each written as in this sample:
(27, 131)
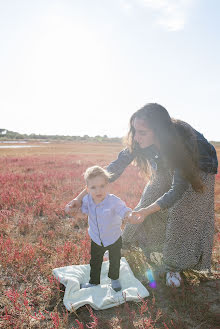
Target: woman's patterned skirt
(180, 237)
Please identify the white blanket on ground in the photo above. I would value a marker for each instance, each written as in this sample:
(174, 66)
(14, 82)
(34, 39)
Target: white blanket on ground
(101, 296)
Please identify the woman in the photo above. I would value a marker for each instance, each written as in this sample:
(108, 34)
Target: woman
(176, 210)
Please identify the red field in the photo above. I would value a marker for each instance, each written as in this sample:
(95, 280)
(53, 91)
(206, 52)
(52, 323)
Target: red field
(36, 236)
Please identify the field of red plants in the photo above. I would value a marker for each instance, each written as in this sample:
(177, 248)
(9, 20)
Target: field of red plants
(36, 236)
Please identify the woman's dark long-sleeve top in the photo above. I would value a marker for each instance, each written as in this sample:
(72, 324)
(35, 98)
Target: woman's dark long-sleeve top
(207, 162)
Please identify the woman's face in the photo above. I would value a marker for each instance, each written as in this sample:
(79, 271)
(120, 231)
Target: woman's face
(144, 136)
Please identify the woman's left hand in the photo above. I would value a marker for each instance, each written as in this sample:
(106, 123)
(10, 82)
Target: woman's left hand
(139, 216)
(136, 217)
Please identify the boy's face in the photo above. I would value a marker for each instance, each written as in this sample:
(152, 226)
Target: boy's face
(97, 187)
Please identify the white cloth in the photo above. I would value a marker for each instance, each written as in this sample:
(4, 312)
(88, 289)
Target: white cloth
(101, 296)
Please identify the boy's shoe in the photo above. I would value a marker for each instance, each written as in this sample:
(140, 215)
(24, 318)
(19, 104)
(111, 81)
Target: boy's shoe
(87, 285)
(116, 285)
(173, 279)
(106, 255)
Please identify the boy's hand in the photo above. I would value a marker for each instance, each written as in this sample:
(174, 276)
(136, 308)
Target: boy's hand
(76, 213)
(127, 215)
(72, 207)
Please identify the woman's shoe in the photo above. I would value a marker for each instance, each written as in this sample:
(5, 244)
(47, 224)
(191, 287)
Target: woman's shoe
(173, 279)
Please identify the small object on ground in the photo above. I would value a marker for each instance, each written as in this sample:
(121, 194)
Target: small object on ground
(116, 285)
(173, 279)
(150, 276)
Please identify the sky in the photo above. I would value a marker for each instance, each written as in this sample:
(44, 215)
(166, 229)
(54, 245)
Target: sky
(82, 67)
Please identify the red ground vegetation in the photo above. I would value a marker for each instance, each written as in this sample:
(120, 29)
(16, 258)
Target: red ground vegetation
(36, 236)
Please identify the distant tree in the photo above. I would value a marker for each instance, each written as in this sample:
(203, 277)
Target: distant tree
(85, 137)
(11, 135)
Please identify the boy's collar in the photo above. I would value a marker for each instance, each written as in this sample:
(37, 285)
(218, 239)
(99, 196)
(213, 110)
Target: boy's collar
(96, 204)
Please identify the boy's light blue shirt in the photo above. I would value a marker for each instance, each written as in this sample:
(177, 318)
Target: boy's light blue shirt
(104, 218)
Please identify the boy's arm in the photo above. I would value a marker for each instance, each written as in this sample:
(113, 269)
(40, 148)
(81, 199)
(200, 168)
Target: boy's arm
(74, 205)
(83, 211)
(84, 208)
(126, 213)
(127, 216)
(80, 215)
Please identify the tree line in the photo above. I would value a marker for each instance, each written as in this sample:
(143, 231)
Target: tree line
(11, 135)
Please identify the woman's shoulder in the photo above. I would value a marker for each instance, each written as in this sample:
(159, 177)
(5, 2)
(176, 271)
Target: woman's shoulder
(191, 137)
(196, 143)
(185, 129)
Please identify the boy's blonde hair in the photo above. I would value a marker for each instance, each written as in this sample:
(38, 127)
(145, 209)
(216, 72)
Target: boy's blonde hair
(95, 171)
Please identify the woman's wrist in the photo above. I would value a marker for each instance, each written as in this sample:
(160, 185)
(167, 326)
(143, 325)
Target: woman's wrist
(73, 201)
(154, 207)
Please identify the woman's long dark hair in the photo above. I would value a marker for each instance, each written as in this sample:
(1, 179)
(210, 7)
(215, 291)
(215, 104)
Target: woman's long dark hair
(171, 135)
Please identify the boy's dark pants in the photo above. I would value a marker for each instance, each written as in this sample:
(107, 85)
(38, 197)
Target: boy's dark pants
(97, 253)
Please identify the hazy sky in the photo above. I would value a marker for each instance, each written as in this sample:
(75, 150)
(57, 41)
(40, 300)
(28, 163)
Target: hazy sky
(77, 67)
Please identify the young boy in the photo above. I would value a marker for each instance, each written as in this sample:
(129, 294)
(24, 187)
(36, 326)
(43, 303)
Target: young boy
(105, 213)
